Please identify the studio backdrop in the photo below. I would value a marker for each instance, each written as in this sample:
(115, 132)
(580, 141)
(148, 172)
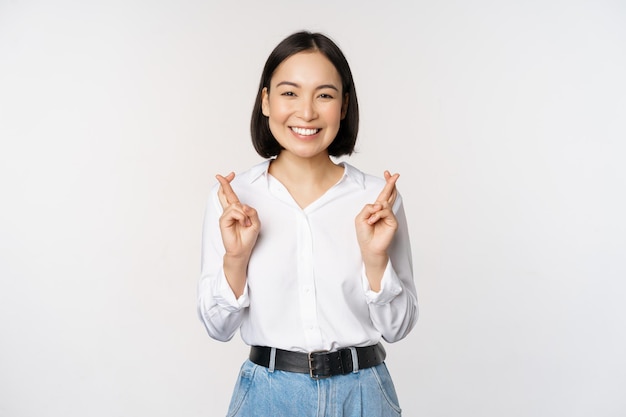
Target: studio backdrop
(506, 121)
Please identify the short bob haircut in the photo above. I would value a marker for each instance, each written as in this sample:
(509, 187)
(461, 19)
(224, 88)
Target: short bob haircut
(264, 142)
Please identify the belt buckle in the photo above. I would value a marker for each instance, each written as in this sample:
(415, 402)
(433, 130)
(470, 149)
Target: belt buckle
(311, 367)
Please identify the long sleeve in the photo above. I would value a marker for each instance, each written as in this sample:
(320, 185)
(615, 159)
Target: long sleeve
(394, 309)
(218, 308)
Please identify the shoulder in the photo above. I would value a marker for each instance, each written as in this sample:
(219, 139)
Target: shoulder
(248, 184)
(371, 184)
(247, 177)
(363, 179)
(252, 174)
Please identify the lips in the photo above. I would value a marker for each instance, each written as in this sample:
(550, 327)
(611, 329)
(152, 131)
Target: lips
(304, 132)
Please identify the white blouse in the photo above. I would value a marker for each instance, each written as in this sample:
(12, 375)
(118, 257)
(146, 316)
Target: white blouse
(306, 285)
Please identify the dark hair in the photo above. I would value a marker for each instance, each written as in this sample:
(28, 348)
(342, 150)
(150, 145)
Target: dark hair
(264, 142)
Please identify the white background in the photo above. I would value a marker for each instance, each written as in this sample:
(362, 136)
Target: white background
(505, 119)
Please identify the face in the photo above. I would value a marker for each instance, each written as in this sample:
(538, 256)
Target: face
(305, 104)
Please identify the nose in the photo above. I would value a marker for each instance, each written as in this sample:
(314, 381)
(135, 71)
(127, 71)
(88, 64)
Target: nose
(307, 109)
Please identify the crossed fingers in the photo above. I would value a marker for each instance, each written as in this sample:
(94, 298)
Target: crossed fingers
(233, 209)
(389, 192)
(385, 200)
(226, 193)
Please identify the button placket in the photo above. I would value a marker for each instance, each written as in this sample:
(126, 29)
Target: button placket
(306, 282)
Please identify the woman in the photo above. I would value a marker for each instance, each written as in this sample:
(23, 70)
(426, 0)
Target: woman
(308, 258)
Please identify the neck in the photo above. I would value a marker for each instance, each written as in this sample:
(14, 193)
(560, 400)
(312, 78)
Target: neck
(320, 169)
(306, 179)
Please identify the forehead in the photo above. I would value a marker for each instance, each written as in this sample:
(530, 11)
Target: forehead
(307, 67)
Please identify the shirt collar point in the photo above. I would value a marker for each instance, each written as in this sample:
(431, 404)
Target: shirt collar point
(258, 171)
(354, 174)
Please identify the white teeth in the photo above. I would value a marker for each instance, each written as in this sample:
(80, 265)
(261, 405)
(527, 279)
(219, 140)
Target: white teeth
(304, 132)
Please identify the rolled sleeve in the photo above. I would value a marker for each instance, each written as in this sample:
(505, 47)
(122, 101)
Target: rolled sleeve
(225, 298)
(390, 287)
(218, 308)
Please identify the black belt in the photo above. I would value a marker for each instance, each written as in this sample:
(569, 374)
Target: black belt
(319, 364)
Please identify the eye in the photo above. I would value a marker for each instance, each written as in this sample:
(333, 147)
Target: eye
(288, 94)
(326, 96)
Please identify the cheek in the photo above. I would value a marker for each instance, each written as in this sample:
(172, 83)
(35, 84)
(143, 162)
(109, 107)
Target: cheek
(278, 109)
(333, 114)
(278, 116)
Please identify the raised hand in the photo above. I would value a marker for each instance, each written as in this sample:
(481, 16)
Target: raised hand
(375, 226)
(239, 223)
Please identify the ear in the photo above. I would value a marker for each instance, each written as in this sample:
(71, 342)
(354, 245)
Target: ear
(344, 106)
(265, 102)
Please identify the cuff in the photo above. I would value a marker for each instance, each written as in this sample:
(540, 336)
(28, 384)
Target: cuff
(390, 286)
(224, 296)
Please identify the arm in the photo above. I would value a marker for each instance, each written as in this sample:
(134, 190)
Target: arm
(239, 228)
(382, 234)
(394, 309)
(229, 234)
(376, 225)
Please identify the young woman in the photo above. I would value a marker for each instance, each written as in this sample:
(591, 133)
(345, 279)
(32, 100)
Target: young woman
(308, 258)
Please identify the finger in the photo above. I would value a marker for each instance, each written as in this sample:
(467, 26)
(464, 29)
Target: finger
(234, 214)
(252, 216)
(392, 199)
(227, 195)
(385, 215)
(388, 192)
(376, 214)
(368, 212)
(245, 215)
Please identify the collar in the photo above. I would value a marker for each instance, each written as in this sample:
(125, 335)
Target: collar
(350, 173)
(258, 171)
(353, 174)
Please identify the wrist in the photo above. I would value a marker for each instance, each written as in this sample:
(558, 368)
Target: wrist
(374, 270)
(235, 270)
(236, 260)
(375, 260)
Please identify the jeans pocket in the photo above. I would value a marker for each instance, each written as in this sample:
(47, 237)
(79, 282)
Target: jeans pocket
(244, 381)
(386, 386)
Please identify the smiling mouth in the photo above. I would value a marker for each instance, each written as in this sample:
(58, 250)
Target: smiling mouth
(304, 132)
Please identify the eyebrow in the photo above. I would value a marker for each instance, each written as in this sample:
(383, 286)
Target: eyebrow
(319, 87)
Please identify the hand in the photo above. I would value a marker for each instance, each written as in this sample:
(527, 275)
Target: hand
(239, 223)
(375, 226)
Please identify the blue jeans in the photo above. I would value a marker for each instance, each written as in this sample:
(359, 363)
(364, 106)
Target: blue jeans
(260, 392)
